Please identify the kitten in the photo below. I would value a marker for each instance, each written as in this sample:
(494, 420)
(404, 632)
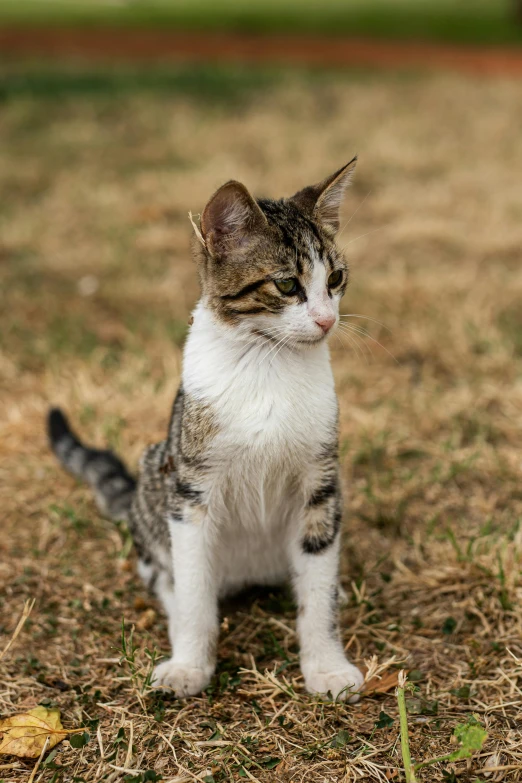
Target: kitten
(245, 488)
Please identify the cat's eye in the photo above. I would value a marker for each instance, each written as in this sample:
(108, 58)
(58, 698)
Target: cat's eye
(288, 286)
(335, 279)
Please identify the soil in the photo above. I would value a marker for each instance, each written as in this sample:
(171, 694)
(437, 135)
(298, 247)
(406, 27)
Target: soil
(171, 45)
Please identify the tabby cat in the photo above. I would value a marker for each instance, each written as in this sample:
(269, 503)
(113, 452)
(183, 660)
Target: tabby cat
(245, 488)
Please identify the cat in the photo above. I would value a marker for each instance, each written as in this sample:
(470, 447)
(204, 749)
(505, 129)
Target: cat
(245, 489)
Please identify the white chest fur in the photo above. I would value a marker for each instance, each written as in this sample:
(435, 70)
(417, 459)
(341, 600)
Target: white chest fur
(272, 404)
(274, 412)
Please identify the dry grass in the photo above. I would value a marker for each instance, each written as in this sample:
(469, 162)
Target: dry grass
(96, 288)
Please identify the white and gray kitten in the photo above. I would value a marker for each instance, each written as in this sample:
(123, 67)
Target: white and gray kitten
(245, 488)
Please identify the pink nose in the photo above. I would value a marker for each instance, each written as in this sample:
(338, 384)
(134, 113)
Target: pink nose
(325, 322)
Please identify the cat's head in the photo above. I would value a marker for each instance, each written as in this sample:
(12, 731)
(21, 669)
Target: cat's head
(272, 268)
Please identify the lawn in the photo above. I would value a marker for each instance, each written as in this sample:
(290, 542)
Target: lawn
(98, 171)
(481, 21)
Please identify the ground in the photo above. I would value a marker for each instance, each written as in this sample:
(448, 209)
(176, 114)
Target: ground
(97, 174)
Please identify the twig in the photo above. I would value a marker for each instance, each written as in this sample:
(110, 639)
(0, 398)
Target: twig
(502, 766)
(21, 622)
(405, 741)
(127, 770)
(128, 757)
(100, 743)
(42, 754)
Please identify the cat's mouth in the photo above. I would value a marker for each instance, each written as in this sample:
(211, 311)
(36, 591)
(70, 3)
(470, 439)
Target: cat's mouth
(292, 342)
(314, 341)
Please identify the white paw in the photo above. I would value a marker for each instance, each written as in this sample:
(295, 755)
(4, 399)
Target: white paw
(181, 678)
(343, 683)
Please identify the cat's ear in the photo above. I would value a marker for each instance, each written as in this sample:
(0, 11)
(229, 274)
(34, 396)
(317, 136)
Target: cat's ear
(230, 219)
(322, 202)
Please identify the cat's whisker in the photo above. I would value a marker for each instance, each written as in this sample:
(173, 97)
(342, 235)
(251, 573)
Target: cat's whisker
(268, 338)
(369, 336)
(275, 334)
(365, 317)
(361, 335)
(273, 348)
(373, 231)
(261, 341)
(358, 329)
(343, 346)
(353, 346)
(358, 341)
(256, 342)
(353, 215)
(285, 343)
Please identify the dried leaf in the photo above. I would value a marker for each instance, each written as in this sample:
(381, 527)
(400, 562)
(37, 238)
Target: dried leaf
(382, 684)
(25, 734)
(197, 232)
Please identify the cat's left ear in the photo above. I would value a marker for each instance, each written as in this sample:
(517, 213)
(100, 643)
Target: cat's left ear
(230, 220)
(322, 202)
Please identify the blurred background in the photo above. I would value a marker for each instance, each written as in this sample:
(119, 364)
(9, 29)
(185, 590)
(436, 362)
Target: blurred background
(116, 119)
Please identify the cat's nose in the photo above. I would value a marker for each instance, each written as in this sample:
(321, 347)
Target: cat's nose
(325, 322)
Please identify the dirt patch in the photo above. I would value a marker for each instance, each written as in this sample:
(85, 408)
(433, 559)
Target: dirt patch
(158, 45)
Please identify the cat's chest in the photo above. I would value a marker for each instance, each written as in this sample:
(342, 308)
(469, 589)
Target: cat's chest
(287, 412)
(288, 406)
(271, 422)
(263, 405)
(267, 443)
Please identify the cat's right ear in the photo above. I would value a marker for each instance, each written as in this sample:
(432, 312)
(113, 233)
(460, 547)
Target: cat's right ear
(322, 202)
(230, 220)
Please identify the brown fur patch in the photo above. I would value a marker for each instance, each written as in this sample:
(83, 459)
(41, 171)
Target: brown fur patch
(198, 427)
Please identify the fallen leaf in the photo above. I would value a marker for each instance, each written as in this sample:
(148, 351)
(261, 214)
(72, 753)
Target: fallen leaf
(384, 721)
(25, 734)
(341, 739)
(382, 684)
(493, 761)
(146, 620)
(420, 706)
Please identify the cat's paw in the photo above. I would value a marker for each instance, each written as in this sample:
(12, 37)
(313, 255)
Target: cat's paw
(343, 683)
(180, 678)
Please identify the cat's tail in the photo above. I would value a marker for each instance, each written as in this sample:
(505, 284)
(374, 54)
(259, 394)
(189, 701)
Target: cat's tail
(112, 483)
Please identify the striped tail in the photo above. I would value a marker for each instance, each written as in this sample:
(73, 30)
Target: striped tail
(113, 485)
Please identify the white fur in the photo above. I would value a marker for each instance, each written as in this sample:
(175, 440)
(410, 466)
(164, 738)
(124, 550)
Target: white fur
(323, 661)
(275, 407)
(321, 307)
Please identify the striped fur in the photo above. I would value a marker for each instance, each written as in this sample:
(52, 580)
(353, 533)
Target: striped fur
(245, 487)
(113, 485)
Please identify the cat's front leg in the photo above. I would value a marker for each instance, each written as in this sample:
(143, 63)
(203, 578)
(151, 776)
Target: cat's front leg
(315, 565)
(194, 611)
